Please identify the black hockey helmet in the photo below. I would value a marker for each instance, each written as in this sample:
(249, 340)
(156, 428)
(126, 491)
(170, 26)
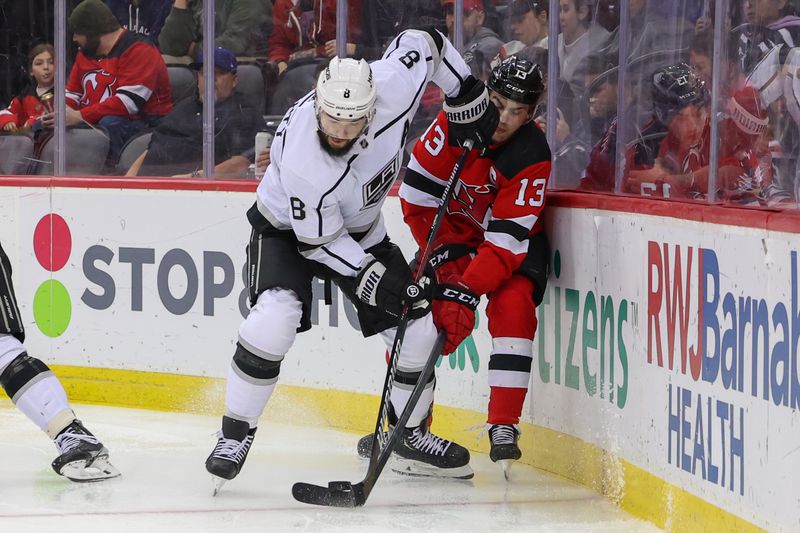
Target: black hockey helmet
(517, 79)
(674, 88)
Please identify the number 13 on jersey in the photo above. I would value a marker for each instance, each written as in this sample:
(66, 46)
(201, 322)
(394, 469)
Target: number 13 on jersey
(532, 196)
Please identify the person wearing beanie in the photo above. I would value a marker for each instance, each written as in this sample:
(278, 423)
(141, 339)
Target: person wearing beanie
(118, 81)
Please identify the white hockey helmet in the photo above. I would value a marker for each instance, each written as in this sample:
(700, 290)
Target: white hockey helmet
(345, 90)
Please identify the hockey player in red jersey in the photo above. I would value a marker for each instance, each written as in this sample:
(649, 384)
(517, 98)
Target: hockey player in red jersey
(119, 80)
(490, 242)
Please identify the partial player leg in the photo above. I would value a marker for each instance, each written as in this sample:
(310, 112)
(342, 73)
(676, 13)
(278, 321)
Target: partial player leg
(421, 452)
(36, 391)
(279, 279)
(264, 338)
(512, 324)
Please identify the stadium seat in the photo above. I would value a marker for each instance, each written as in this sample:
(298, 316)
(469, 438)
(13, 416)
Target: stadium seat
(86, 151)
(132, 150)
(16, 152)
(293, 85)
(182, 81)
(251, 87)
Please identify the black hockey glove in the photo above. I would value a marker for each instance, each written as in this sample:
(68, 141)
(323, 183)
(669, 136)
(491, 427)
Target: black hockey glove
(471, 115)
(388, 290)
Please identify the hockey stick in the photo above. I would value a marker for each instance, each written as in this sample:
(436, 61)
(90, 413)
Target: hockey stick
(344, 493)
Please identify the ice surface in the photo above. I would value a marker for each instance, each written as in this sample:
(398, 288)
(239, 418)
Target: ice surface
(164, 485)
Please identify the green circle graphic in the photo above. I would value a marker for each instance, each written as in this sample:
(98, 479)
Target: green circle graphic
(52, 308)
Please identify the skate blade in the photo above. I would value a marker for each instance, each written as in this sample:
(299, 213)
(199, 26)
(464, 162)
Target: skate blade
(506, 464)
(218, 483)
(409, 467)
(99, 470)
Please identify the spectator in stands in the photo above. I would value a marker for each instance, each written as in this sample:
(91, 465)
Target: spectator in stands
(682, 167)
(481, 44)
(176, 147)
(145, 17)
(749, 11)
(680, 102)
(651, 30)
(241, 26)
(302, 29)
(601, 88)
(118, 81)
(382, 20)
(24, 24)
(578, 38)
(529, 21)
(599, 102)
(28, 107)
(608, 14)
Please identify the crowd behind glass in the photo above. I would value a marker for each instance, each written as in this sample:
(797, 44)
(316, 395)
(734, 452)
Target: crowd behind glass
(695, 100)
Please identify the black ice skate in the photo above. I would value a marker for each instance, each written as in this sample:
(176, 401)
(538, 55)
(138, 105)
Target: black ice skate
(505, 449)
(421, 453)
(227, 458)
(82, 457)
(364, 446)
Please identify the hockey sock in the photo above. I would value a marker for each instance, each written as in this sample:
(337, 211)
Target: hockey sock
(251, 381)
(38, 393)
(401, 391)
(509, 375)
(505, 405)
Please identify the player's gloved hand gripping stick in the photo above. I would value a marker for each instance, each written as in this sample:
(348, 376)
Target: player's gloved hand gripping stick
(345, 493)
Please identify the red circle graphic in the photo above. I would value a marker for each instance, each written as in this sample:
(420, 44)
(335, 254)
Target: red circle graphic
(52, 242)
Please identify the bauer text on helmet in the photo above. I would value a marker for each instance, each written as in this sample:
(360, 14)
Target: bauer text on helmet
(346, 90)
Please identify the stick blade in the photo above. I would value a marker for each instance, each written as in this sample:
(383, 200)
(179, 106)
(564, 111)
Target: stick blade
(336, 494)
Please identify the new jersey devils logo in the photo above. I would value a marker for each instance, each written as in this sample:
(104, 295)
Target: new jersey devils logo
(473, 201)
(97, 87)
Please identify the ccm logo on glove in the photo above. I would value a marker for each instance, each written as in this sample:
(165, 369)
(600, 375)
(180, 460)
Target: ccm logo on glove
(460, 296)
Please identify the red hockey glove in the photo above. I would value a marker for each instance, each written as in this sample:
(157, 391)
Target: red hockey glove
(454, 307)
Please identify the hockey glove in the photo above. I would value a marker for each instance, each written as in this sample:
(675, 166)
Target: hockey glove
(454, 307)
(388, 290)
(471, 115)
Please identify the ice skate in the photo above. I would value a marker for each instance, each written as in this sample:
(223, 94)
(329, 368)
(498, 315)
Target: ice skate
(364, 446)
(505, 450)
(421, 453)
(227, 458)
(82, 457)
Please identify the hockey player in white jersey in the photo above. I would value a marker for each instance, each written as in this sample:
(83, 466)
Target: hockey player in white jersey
(38, 393)
(335, 156)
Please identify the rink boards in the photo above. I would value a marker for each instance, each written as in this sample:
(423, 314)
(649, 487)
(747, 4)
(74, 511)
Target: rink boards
(665, 370)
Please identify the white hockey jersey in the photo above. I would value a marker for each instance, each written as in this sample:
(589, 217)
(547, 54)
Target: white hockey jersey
(333, 203)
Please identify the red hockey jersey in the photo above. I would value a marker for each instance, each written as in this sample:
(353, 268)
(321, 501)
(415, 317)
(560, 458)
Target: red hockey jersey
(745, 167)
(131, 81)
(23, 110)
(497, 202)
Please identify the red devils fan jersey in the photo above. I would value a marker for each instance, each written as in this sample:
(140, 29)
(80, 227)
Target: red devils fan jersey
(497, 201)
(131, 81)
(23, 110)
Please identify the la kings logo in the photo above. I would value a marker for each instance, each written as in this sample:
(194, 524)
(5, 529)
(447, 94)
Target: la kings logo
(376, 188)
